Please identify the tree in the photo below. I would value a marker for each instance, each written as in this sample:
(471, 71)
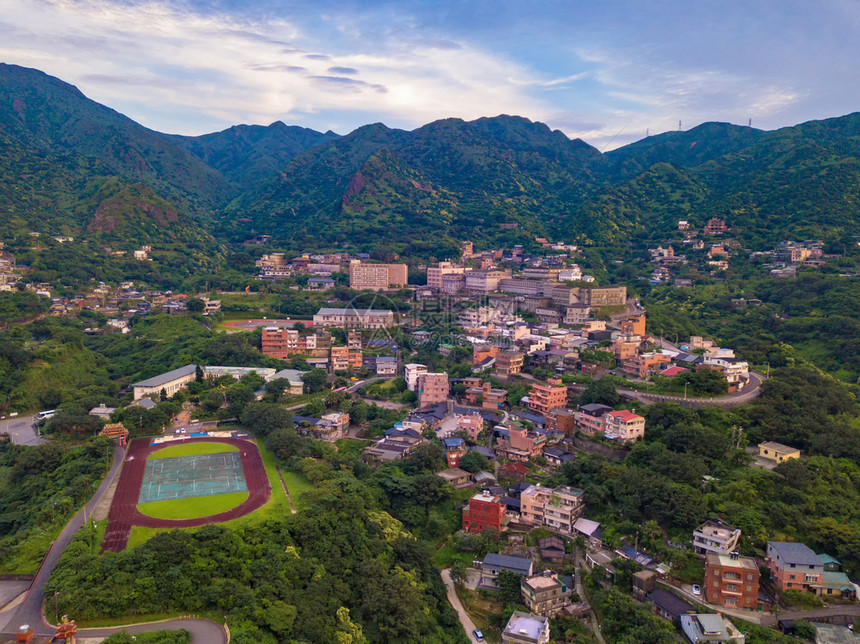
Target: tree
(458, 571)
(474, 462)
(803, 629)
(509, 587)
(315, 380)
(602, 392)
(195, 305)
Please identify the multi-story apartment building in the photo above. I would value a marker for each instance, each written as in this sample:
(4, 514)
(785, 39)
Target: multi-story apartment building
(558, 507)
(376, 277)
(715, 537)
(432, 388)
(411, 372)
(606, 296)
(624, 425)
(509, 363)
(352, 318)
(282, 343)
(544, 398)
(491, 398)
(633, 325)
(455, 449)
(545, 594)
(576, 313)
(715, 226)
(736, 372)
(589, 418)
(346, 359)
(435, 274)
(520, 444)
(484, 512)
(484, 281)
(643, 364)
(731, 581)
(525, 286)
(794, 566)
(454, 283)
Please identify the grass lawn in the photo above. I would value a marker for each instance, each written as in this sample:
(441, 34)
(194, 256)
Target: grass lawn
(297, 484)
(192, 507)
(193, 449)
(277, 505)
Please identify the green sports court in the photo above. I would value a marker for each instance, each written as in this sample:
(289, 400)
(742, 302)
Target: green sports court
(194, 475)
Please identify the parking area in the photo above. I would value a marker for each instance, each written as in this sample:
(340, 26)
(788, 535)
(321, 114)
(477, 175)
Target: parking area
(20, 430)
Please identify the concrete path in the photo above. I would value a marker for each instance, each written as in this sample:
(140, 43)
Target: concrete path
(454, 600)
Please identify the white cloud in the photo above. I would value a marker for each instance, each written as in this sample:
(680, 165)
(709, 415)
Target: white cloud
(152, 58)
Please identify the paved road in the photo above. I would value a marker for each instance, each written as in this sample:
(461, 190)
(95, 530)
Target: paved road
(748, 393)
(454, 600)
(30, 610)
(20, 430)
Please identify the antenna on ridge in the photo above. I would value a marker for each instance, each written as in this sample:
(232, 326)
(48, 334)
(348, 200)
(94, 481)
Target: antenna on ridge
(647, 132)
(750, 123)
(679, 125)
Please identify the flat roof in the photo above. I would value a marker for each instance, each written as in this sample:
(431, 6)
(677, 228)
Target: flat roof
(726, 560)
(165, 378)
(353, 311)
(528, 624)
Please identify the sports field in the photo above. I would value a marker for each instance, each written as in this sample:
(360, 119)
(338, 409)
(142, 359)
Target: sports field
(192, 449)
(192, 476)
(193, 507)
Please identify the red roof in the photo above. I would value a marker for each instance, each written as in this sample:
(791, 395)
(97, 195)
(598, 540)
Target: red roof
(517, 468)
(625, 415)
(672, 371)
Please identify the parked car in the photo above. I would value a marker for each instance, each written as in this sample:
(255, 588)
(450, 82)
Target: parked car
(697, 589)
(478, 635)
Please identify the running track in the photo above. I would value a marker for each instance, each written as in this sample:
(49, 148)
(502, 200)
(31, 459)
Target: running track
(124, 513)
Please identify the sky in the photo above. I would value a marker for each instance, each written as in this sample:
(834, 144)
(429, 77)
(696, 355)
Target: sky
(606, 71)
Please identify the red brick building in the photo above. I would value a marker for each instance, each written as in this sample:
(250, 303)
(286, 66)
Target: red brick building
(484, 512)
(731, 581)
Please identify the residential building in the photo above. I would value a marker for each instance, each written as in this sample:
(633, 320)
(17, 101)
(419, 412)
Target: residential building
(411, 373)
(794, 566)
(435, 274)
(320, 283)
(295, 386)
(669, 606)
(715, 537)
(490, 397)
(331, 427)
(544, 398)
(483, 282)
(460, 479)
(351, 318)
(552, 548)
(624, 425)
(169, 382)
(396, 444)
(455, 449)
(520, 444)
(590, 418)
(589, 529)
(644, 582)
(376, 277)
(777, 451)
(576, 313)
(471, 424)
(509, 363)
(558, 507)
(493, 564)
(556, 456)
(526, 628)
(432, 388)
(626, 347)
(642, 365)
(346, 359)
(715, 226)
(606, 296)
(386, 366)
(513, 471)
(484, 512)
(731, 581)
(545, 594)
(736, 372)
(710, 628)
(561, 419)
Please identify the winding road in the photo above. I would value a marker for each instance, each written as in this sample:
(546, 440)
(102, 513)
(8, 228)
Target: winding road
(203, 631)
(745, 395)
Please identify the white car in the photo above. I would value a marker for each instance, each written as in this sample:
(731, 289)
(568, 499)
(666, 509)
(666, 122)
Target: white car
(697, 589)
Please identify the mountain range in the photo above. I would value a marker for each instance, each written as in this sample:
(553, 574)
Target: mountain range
(72, 166)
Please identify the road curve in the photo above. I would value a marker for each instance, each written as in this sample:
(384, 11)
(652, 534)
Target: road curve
(747, 394)
(203, 631)
(454, 600)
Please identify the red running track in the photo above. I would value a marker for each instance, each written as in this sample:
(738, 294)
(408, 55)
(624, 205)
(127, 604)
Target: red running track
(124, 513)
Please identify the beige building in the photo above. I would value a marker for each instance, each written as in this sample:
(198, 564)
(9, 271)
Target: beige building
(777, 451)
(376, 277)
(486, 281)
(545, 594)
(354, 319)
(509, 363)
(436, 274)
(558, 507)
(169, 382)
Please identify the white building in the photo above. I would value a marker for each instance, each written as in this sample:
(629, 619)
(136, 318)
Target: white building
(716, 537)
(411, 373)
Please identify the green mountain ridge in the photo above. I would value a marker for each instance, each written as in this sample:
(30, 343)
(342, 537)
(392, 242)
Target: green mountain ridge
(72, 166)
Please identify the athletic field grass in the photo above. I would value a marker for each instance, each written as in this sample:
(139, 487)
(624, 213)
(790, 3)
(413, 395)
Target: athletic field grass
(192, 507)
(192, 449)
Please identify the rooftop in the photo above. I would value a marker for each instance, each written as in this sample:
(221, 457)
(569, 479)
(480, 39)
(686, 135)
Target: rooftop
(624, 414)
(354, 311)
(795, 553)
(727, 560)
(170, 376)
(669, 602)
(778, 447)
(506, 561)
(542, 581)
(526, 624)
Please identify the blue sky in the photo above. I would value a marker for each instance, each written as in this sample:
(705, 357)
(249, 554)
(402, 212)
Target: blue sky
(605, 71)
